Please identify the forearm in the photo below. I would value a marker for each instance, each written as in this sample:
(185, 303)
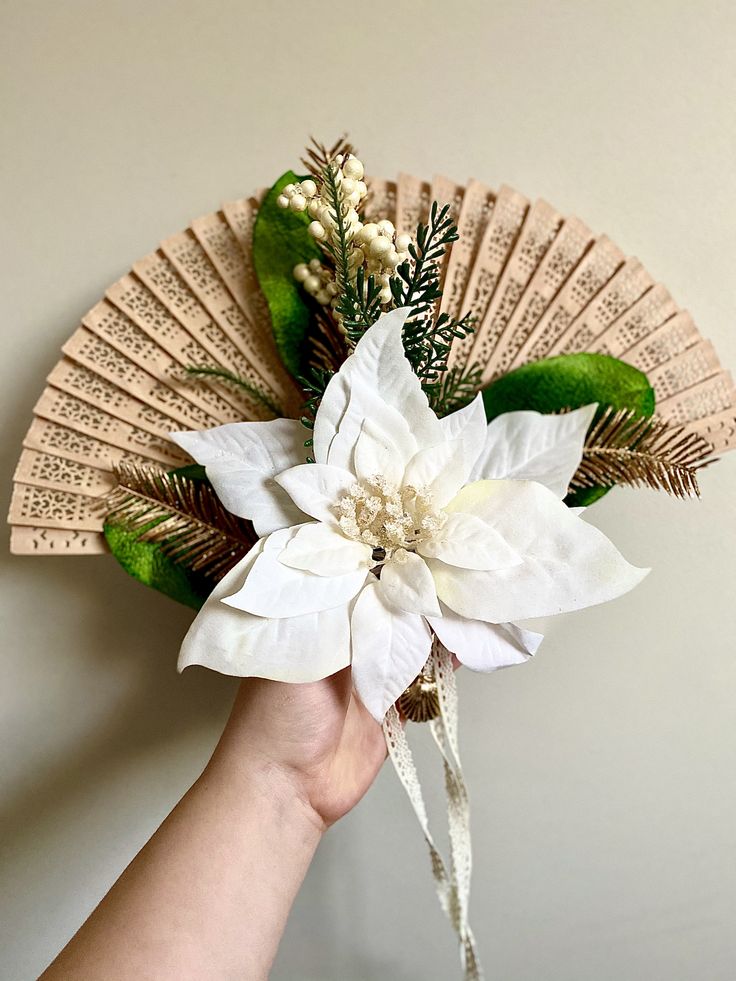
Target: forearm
(209, 895)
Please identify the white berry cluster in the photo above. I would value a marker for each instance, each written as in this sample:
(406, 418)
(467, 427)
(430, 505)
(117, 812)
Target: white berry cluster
(317, 280)
(297, 196)
(375, 245)
(349, 177)
(381, 250)
(305, 196)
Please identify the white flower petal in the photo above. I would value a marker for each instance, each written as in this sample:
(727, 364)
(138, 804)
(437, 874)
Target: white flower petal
(383, 448)
(484, 646)
(297, 649)
(467, 541)
(444, 468)
(321, 549)
(407, 583)
(470, 418)
(366, 404)
(377, 365)
(441, 470)
(567, 563)
(241, 458)
(272, 589)
(532, 446)
(315, 488)
(389, 650)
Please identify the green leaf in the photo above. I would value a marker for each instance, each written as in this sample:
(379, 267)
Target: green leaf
(280, 241)
(194, 471)
(567, 382)
(146, 562)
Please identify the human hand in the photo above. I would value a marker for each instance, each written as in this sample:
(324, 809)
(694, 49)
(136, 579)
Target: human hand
(209, 895)
(315, 740)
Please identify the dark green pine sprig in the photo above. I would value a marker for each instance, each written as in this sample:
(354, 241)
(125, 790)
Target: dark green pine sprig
(453, 389)
(314, 386)
(359, 297)
(428, 339)
(416, 284)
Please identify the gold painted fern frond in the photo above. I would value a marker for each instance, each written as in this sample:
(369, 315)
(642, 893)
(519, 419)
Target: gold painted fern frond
(625, 448)
(182, 515)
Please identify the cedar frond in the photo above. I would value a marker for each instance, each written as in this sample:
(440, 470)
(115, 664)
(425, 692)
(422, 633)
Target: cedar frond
(359, 297)
(454, 388)
(416, 284)
(181, 514)
(625, 448)
(318, 156)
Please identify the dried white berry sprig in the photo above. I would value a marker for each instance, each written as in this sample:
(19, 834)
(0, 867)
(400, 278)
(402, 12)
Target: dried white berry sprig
(317, 280)
(381, 250)
(306, 196)
(374, 246)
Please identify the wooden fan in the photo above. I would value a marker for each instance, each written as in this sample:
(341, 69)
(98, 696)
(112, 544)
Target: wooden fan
(540, 284)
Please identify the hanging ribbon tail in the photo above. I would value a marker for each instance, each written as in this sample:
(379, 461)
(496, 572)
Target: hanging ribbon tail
(453, 883)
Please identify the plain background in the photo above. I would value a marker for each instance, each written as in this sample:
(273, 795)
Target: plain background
(602, 775)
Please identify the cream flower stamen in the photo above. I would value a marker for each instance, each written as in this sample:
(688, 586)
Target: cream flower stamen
(387, 517)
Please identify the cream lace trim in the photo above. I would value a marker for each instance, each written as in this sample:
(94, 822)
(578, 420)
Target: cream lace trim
(453, 884)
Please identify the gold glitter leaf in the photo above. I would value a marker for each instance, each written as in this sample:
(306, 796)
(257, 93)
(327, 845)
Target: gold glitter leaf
(183, 515)
(623, 447)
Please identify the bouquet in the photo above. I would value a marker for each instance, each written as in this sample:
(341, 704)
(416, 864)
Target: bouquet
(396, 484)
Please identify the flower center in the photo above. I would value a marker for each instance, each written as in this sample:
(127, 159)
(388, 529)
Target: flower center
(388, 517)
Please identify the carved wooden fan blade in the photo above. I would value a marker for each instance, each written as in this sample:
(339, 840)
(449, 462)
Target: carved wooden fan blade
(540, 284)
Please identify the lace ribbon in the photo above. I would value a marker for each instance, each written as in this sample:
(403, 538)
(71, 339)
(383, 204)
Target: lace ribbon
(453, 884)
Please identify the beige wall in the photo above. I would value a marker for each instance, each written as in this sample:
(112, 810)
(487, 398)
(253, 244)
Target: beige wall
(602, 775)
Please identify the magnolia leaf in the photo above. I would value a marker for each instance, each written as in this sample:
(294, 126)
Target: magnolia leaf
(281, 241)
(148, 563)
(567, 382)
(191, 471)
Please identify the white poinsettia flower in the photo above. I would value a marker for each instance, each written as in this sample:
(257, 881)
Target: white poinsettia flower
(404, 526)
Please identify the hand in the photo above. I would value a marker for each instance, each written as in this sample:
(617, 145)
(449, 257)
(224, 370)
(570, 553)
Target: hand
(316, 736)
(210, 893)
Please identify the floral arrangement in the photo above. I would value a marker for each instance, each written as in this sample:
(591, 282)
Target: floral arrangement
(408, 520)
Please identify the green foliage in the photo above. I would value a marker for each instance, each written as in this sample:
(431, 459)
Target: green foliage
(281, 241)
(205, 371)
(192, 471)
(567, 382)
(359, 301)
(314, 385)
(148, 563)
(454, 388)
(416, 285)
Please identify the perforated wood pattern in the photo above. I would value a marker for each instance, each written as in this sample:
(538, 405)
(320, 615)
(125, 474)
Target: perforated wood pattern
(538, 283)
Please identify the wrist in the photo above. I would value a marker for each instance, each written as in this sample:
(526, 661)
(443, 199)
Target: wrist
(276, 790)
